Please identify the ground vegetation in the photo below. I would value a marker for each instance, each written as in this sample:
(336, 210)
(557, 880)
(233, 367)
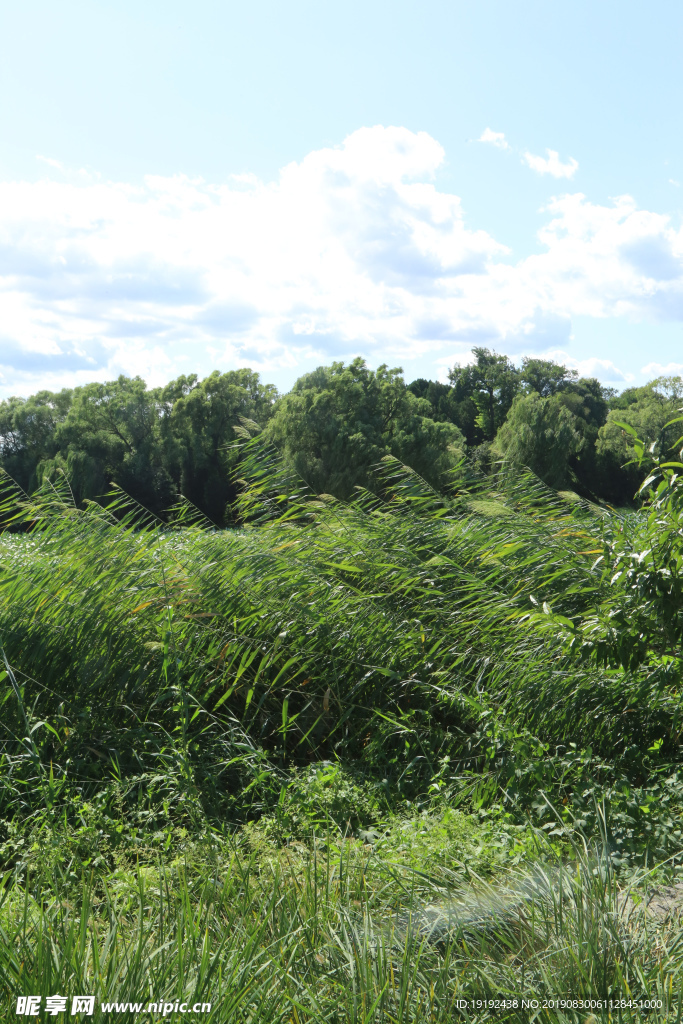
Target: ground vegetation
(352, 757)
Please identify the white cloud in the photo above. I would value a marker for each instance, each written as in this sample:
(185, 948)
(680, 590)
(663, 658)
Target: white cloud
(79, 176)
(604, 369)
(552, 164)
(660, 370)
(51, 162)
(495, 138)
(353, 250)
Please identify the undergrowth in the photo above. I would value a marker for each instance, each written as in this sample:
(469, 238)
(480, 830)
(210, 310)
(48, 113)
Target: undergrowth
(426, 683)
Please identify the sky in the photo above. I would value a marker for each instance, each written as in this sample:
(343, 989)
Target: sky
(195, 186)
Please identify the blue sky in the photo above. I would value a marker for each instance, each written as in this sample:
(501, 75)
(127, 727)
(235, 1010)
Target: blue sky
(186, 186)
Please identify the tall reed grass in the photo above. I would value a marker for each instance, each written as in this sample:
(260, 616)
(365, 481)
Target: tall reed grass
(336, 935)
(400, 629)
(166, 683)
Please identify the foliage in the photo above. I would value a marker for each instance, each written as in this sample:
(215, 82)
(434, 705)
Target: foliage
(197, 429)
(342, 936)
(111, 431)
(332, 429)
(641, 620)
(540, 433)
(27, 433)
(199, 667)
(451, 403)
(156, 444)
(545, 377)
(554, 431)
(492, 382)
(329, 717)
(340, 421)
(646, 410)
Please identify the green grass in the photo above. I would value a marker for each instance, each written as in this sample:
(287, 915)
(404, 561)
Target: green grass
(337, 933)
(232, 762)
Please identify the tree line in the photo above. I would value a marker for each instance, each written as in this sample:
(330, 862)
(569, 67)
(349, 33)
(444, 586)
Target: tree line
(335, 424)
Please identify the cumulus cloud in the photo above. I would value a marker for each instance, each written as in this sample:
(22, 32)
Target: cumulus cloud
(495, 138)
(551, 164)
(662, 370)
(352, 250)
(604, 369)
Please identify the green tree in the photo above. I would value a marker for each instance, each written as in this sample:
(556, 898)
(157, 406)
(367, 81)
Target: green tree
(541, 433)
(587, 400)
(492, 382)
(197, 424)
(647, 410)
(450, 404)
(669, 389)
(339, 421)
(545, 377)
(155, 444)
(27, 433)
(111, 434)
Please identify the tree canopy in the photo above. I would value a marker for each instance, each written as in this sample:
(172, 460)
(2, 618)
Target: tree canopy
(491, 383)
(339, 421)
(335, 424)
(154, 443)
(541, 433)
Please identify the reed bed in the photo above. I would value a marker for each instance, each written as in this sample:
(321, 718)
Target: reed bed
(206, 734)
